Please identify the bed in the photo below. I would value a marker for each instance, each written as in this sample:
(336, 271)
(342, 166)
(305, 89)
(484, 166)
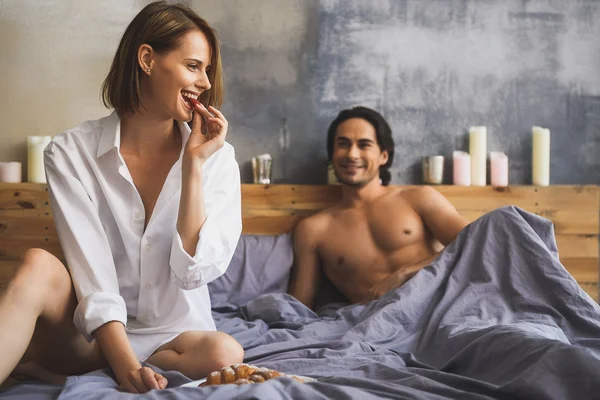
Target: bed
(507, 311)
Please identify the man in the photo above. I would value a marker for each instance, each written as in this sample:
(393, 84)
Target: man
(376, 237)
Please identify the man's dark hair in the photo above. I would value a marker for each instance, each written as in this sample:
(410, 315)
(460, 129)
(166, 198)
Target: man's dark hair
(383, 132)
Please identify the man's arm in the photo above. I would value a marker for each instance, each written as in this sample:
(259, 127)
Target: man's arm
(442, 220)
(398, 278)
(439, 215)
(305, 278)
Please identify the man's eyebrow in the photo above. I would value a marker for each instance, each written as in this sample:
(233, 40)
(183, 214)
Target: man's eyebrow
(343, 138)
(366, 141)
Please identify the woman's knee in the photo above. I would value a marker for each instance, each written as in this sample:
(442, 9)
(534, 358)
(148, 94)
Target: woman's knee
(39, 272)
(36, 255)
(225, 351)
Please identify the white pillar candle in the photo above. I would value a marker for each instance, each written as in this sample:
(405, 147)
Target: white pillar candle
(540, 171)
(10, 172)
(461, 168)
(477, 150)
(35, 158)
(499, 169)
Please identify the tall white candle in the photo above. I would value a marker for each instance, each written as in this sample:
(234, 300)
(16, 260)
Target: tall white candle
(477, 149)
(35, 158)
(10, 172)
(540, 171)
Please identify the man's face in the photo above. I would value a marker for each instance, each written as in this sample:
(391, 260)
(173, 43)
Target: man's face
(356, 155)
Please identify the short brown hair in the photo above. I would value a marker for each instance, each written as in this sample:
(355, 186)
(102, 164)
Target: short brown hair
(161, 26)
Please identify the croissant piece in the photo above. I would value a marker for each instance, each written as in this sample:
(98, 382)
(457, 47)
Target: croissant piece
(241, 374)
(243, 371)
(256, 379)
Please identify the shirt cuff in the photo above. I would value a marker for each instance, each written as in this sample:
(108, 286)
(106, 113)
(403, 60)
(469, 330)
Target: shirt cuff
(208, 262)
(96, 310)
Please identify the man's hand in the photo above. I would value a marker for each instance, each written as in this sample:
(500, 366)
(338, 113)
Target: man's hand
(142, 380)
(398, 278)
(385, 285)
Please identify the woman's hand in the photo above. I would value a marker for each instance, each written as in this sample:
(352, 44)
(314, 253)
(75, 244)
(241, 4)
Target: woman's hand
(142, 380)
(200, 147)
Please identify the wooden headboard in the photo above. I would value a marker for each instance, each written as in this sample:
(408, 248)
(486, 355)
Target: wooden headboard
(26, 220)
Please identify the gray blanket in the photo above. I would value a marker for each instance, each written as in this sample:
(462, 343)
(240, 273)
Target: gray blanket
(496, 316)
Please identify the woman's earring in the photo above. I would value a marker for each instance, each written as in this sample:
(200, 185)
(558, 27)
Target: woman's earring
(148, 69)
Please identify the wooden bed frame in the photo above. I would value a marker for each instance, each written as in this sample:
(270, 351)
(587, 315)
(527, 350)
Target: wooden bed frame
(26, 218)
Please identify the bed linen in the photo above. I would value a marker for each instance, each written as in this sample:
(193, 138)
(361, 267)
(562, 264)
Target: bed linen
(495, 316)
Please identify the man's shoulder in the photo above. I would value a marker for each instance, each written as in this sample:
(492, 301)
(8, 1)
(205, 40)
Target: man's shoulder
(423, 198)
(414, 197)
(311, 227)
(395, 194)
(417, 193)
(316, 220)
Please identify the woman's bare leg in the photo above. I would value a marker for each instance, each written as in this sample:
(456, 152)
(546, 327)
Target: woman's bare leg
(36, 315)
(196, 354)
(31, 369)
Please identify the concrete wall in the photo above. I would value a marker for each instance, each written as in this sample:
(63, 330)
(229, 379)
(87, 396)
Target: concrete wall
(54, 56)
(433, 68)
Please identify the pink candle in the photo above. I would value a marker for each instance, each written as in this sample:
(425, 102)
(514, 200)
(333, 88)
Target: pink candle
(499, 169)
(461, 168)
(10, 172)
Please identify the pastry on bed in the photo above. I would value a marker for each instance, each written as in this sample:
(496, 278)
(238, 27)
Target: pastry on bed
(241, 374)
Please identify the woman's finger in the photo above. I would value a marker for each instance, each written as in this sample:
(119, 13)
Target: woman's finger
(128, 387)
(162, 381)
(217, 121)
(139, 384)
(217, 113)
(218, 128)
(149, 379)
(202, 110)
(197, 124)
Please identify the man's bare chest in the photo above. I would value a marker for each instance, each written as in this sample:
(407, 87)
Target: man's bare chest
(371, 236)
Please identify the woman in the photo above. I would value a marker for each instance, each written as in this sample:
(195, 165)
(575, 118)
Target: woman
(147, 212)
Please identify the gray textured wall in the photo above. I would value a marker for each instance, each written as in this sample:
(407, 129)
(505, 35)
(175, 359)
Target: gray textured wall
(54, 55)
(433, 68)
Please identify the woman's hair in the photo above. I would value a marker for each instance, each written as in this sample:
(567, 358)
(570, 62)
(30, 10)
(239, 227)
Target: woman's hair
(162, 26)
(383, 132)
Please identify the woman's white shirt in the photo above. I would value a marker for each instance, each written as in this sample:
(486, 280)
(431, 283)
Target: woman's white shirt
(121, 272)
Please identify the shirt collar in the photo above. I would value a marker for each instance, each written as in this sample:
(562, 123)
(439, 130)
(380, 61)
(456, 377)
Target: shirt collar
(111, 134)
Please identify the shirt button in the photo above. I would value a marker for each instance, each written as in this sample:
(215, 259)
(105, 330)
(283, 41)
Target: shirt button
(143, 317)
(138, 215)
(148, 286)
(147, 246)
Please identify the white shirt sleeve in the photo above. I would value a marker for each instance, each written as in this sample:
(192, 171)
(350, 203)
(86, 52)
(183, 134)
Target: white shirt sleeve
(85, 246)
(220, 233)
